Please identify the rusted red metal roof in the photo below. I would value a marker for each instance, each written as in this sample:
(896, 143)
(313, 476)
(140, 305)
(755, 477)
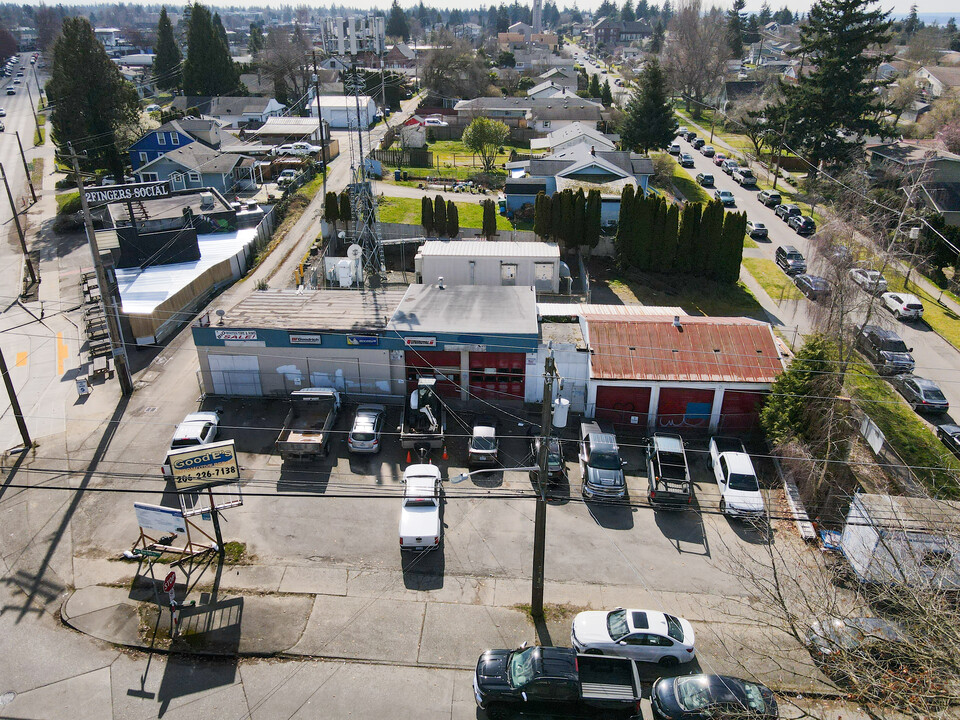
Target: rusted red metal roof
(701, 349)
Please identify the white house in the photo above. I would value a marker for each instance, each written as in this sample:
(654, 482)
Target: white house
(937, 80)
(340, 111)
(575, 133)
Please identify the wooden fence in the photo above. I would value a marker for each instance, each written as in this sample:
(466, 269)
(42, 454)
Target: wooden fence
(408, 157)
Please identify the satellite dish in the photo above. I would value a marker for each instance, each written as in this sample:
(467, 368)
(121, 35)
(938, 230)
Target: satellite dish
(354, 252)
(221, 312)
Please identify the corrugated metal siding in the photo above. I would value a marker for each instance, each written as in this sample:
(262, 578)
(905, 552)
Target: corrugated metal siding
(482, 248)
(702, 350)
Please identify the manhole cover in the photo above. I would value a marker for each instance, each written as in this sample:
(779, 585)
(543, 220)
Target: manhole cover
(7, 698)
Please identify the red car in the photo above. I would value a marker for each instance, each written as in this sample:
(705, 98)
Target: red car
(719, 158)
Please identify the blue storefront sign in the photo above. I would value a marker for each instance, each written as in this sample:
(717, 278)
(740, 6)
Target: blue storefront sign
(366, 340)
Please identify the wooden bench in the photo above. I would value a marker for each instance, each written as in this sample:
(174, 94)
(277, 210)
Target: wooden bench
(102, 365)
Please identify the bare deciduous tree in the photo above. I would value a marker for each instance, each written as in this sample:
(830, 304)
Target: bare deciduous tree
(697, 53)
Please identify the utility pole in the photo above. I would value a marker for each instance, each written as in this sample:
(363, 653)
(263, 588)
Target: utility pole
(16, 219)
(14, 403)
(26, 169)
(33, 109)
(106, 289)
(323, 144)
(540, 517)
(776, 167)
(383, 92)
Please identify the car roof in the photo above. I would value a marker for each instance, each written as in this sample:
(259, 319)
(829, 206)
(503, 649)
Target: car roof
(421, 475)
(789, 249)
(950, 429)
(648, 620)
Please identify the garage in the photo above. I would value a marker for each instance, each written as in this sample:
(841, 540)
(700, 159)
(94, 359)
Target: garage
(740, 411)
(620, 405)
(439, 364)
(235, 375)
(684, 408)
(497, 375)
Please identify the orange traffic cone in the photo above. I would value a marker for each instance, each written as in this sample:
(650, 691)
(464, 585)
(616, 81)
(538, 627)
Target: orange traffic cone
(444, 452)
(408, 457)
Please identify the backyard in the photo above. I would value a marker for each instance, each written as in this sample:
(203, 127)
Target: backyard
(407, 211)
(452, 160)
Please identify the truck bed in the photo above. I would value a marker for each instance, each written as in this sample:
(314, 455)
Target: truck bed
(728, 444)
(607, 678)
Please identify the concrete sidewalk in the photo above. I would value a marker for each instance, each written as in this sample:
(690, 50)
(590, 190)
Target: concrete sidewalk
(388, 616)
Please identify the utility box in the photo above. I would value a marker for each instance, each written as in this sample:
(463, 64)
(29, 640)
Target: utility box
(479, 262)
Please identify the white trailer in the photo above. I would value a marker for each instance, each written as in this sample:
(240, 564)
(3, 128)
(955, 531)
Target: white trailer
(891, 540)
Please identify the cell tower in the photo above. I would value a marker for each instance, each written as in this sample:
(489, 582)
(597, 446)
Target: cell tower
(537, 16)
(363, 202)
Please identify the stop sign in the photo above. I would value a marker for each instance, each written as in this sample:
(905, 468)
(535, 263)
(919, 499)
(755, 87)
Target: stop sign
(169, 581)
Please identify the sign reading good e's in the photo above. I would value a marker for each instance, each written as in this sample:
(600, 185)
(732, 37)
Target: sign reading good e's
(207, 465)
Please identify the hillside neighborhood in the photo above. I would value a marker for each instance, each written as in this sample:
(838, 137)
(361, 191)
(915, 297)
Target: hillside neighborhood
(511, 361)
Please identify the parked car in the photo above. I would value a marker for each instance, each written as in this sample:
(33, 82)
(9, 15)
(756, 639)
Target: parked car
(756, 229)
(870, 280)
(812, 286)
(744, 177)
(903, 305)
(790, 260)
(668, 474)
(556, 468)
(785, 212)
(286, 177)
(719, 158)
(726, 197)
(420, 526)
(949, 435)
(740, 494)
(3, 128)
(297, 148)
(728, 166)
(802, 225)
(922, 394)
(364, 436)
(600, 465)
(674, 149)
(698, 143)
(886, 350)
(152, 107)
(195, 430)
(686, 160)
(705, 179)
(3, 113)
(645, 635)
(11, 90)
(483, 446)
(769, 198)
(681, 131)
(707, 697)
(708, 151)
(690, 136)
(435, 122)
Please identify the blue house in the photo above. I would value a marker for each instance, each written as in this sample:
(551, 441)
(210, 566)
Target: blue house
(197, 166)
(172, 135)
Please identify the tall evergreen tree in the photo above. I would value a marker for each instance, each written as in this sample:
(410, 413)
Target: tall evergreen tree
(735, 26)
(331, 210)
(579, 218)
(489, 225)
(453, 219)
(642, 233)
(593, 89)
(829, 110)
(667, 251)
(592, 217)
(687, 236)
(643, 9)
(208, 69)
(542, 216)
(656, 40)
(606, 95)
(440, 214)
(625, 224)
(556, 217)
(626, 12)
(649, 118)
(731, 251)
(166, 62)
(220, 29)
(567, 219)
(426, 214)
(651, 250)
(346, 210)
(397, 25)
(90, 99)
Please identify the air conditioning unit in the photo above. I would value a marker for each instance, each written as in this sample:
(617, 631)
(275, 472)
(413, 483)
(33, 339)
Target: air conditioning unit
(207, 201)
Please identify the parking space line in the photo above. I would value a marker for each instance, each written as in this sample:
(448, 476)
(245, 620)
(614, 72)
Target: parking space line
(63, 350)
(21, 359)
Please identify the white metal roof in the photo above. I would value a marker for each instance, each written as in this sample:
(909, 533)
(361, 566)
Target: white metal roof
(484, 248)
(141, 291)
(579, 309)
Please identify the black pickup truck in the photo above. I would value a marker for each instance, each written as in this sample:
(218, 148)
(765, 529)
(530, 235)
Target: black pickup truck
(545, 679)
(668, 475)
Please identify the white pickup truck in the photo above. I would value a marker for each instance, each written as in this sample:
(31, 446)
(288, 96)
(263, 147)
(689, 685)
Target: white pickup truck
(739, 490)
(420, 512)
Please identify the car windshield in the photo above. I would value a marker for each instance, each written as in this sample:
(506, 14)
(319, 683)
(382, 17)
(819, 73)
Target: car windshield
(759, 226)
(694, 693)
(553, 451)
(747, 483)
(184, 442)
(794, 256)
(894, 346)
(522, 667)
(617, 624)
(604, 460)
(484, 443)
(674, 629)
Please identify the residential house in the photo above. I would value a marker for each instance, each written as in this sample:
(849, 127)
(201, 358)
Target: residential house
(340, 111)
(613, 33)
(198, 166)
(400, 57)
(890, 163)
(521, 28)
(548, 90)
(540, 114)
(580, 166)
(232, 111)
(573, 134)
(514, 41)
(281, 130)
(564, 77)
(937, 80)
(172, 135)
(540, 59)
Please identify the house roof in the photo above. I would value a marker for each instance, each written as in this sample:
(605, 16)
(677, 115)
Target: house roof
(949, 76)
(287, 126)
(405, 50)
(904, 153)
(223, 105)
(579, 156)
(910, 513)
(945, 196)
(200, 158)
(188, 126)
(569, 103)
(341, 102)
(318, 310)
(548, 85)
(576, 130)
(702, 349)
(566, 72)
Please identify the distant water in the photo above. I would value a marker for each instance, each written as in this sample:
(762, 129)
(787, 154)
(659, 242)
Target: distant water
(934, 18)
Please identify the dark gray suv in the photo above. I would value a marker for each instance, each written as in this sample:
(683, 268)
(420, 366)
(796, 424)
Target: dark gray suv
(886, 350)
(790, 260)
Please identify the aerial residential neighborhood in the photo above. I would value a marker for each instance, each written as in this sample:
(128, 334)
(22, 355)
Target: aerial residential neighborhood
(511, 361)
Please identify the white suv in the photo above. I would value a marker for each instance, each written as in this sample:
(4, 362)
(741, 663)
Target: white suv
(903, 305)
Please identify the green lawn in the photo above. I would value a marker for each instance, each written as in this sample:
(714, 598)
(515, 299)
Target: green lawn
(766, 272)
(68, 202)
(455, 154)
(940, 319)
(688, 187)
(749, 242)
(407, 210)
(696, 296)
(913, 440)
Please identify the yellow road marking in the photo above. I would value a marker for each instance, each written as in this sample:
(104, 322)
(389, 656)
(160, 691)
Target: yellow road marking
(22, 359)
(63, 351)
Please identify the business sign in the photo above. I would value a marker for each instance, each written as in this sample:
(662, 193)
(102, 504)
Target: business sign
(296, 339)
(369, 340)
(420, 341)
(201, 466)
(103, 194)
(461, 347)
(236, 334)
(162, 519)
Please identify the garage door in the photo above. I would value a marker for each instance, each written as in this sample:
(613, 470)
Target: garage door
(684, 408)
(497, 376)
(621, 405)
(235, 375)
(440, 364)
(741, 410)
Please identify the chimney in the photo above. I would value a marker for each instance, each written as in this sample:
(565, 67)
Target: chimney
(676, 323)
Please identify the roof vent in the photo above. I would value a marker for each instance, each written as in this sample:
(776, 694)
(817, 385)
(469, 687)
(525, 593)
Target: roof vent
(676, 323)
(440, 282)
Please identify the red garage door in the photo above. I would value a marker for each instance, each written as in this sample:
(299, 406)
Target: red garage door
(497, 376)
(620, 404)
(445, 366)
(684, 408)
(741, 410)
